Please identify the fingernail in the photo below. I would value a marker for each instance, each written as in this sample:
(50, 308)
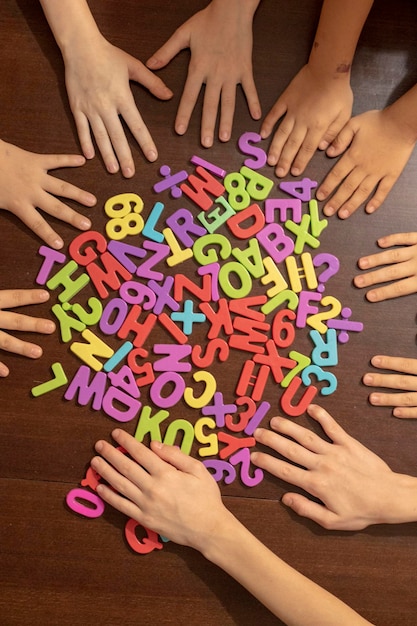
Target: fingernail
(152, 156)
(85, 224)
(58, 244)
(367, 379)
(36, 352)
(180, 129)
(280, 172)
(320, 195)
(224, 136)
(343, 214)
(207, 142)
(49, 327)
(43, 295)
(295, 171)
(128, 172)
(113, 167)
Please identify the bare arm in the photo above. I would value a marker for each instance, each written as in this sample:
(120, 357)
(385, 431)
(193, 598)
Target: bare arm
(97, 78)
(173, 494)
(318, 101)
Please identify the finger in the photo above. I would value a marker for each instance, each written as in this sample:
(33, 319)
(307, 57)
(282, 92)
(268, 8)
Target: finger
(383, 189)
(84, 135)
(396, 290)
(312, 510)
(57, 161)
(279, 140)
(227, 111)
(306, 152)
(61, 188)
(177, 42)
(391, 381)
(4, 370)
(398, 239)
(120, 503)
(388, 257)
(362, 191)
(25, 323)
(142, 135)
(332, 429)
(37, 224)
(54, 207)
(333, 179)
(405, 412)
(252, 98)
(11, 298)
(104, 144)
(330, 134)
(347, 180)
(281, 469)
(138, 451)
(177, 459)
(118, 139)
(290, 150)
(304, 436)
(8, 343)
(286, 447)
(188, 101)
(394, 399)
(210, 109)
(278, 110)
(123, 473)
(139, 73)
(342, 140)
(398, 364)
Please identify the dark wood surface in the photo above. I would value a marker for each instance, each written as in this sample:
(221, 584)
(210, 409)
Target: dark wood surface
(58, 568)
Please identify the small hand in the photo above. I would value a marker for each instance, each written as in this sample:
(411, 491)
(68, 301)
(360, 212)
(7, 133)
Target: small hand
(354, 485)
(97, 79)
(397, 266)
(313, 112)
(10, 321)
(377, 150)
(220, 40)
(162, 488)
(405, 404)
(26, 186)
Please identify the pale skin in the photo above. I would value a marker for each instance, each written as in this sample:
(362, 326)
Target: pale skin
(175, 495)
(28, 191)
(394, 271)
(11, 321)
(315, 111)
(357, 488)
(98, 79)
(220, 41)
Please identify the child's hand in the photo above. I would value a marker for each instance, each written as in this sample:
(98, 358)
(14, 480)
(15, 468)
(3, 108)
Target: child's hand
(11, 298)
(97, 79)
(314, 110)
(405, 404)
(162, 489)
(378, 147)
(26, 186)
(220, 40)
(356, 487)
(399, 268)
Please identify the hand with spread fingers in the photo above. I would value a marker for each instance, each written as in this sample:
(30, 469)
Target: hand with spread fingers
(11, 322)
(175, 496)
(355, 486)
(402, 379)
(220, 41)
(397, 266)
(26, 188)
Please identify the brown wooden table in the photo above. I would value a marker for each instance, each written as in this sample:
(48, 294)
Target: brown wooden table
(59, 568)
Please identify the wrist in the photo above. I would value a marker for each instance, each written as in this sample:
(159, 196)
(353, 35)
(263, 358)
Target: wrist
(401, 506)
(240, 8)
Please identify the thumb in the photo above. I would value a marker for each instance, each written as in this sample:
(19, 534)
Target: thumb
(342, 141)
(140, 74)
(177, 42)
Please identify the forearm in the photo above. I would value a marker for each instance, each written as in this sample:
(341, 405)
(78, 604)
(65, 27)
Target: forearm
(288, 594)
(71, 21)
(404, 112)
(337, 35)
(241, 8)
